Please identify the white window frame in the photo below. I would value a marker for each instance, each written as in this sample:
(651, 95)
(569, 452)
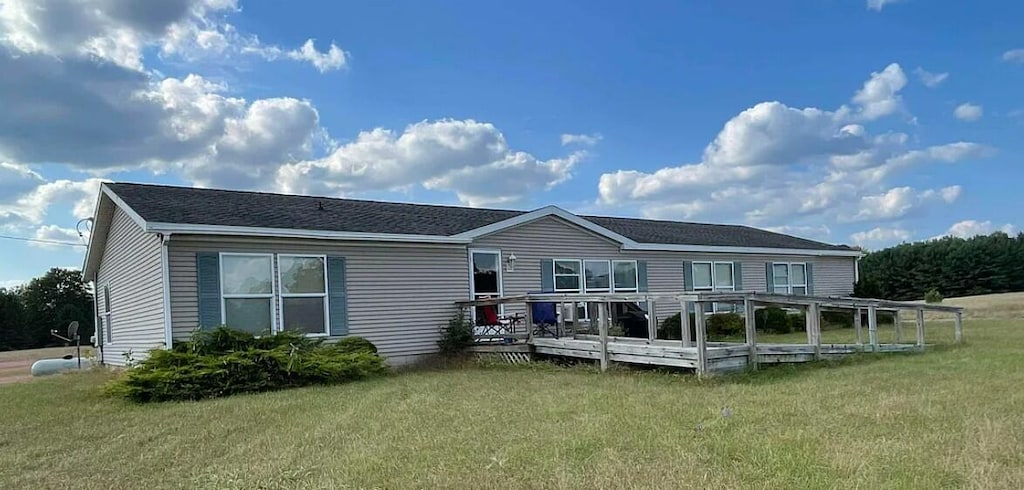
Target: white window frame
(583, 271)
(273, 288)
(109, 338)
(472, 281)
(636, 276)
(715, 308)
(325, 295)
(789, 277)
(579, 275)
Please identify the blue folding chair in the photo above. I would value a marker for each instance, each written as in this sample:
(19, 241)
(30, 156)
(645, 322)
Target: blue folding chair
(545, 319)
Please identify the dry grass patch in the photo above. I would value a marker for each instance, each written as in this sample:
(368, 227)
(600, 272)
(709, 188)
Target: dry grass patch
(949, 418)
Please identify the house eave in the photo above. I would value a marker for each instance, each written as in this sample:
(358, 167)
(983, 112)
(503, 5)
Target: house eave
(664, 247)
(191, 229)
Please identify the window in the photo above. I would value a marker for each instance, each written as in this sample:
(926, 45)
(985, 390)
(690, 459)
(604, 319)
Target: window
(106, 314)
(789, 278)
(714, 276)
(303, 280)
(597, 274)
(567, 276)
(247, 291)
(625, 277)
(486, 282)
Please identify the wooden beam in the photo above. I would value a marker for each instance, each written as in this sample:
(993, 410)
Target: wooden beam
(575, 317)
(684, 323)
(958, 327)
(873, 327)
(602, 324)
(652, 321)
(702, 338)
(857, 326)
(529, 322)
(898, 325)
(751, 328)
(920, 329)
(561, 320)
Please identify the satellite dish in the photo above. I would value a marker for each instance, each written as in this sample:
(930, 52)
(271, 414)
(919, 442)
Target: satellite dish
(73, 330)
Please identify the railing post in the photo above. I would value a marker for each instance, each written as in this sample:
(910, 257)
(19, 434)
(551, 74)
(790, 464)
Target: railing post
(602, 326)
(898, 325)
(958, 327)
(857, 326)
(684, 323)
(652, 322)
(813, 335)
(561, 319)
(873, 327)
(751, 327)
(920, 329)
(529, 322)
(702, 341)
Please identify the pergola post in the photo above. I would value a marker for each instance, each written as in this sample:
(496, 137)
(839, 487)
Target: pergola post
(857, 327)
(684, 323)
(958, 327)
(702, 341)
(751, 328)
(920, 329)
(873, 327)
(898, 325)
(652, 321)
(602, 327)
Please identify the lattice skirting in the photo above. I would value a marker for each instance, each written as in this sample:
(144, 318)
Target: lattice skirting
(506, 357)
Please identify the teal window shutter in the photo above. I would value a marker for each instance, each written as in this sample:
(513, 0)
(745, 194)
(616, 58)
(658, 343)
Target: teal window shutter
(770, 276)
(547, 276)
(337, 296)
(687, 275)
(737, 275)
(810, 279)
(641, 276)
(208, 277)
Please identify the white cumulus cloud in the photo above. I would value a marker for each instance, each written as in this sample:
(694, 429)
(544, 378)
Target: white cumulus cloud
(876, 238)
(581, 139)
(970, 228)
(880, 95)
(55, 237)
(878, 5)
(1014, 56)
(968, 112)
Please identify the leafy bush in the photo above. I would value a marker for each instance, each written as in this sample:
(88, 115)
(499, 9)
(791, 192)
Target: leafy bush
(837, 319)
(773, 320)
(717, 325)
(223, 362)
(933, 296)
(457, 335)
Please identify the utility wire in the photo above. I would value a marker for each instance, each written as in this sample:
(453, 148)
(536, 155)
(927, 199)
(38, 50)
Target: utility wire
(42, 240)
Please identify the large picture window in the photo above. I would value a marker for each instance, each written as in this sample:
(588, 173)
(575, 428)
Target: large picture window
(303, 280)
(247, 291)
(598, 276)
(789, 278)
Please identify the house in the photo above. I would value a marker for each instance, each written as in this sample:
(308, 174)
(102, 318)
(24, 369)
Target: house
(166, 261)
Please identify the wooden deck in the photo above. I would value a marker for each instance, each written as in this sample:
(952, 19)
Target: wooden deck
(699, 353)
(721, 356)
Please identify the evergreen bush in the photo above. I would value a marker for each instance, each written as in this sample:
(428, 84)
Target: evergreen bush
(223, 362)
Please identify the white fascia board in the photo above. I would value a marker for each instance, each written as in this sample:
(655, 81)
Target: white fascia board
(295, 233)
(114, 198)
(541, 213)
(659, 247)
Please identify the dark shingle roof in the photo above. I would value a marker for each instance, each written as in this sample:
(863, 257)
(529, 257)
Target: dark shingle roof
(188, 205)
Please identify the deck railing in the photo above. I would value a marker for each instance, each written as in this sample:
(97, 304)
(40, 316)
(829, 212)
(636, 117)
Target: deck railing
(696, 302)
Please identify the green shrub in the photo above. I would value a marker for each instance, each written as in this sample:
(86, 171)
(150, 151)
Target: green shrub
(351, 345)
(457, 335)
(797, 321)
(773, 320)
(222, 362)
(725, 325)
(717, 325)
(933, 296)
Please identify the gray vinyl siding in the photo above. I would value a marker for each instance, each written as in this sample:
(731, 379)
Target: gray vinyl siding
(552, 237)
(399, 295)
(131, 266)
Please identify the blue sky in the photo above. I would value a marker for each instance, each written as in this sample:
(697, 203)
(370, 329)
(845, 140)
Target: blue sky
(861, 122)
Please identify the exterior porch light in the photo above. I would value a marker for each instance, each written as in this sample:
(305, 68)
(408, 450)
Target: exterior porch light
(510, 265)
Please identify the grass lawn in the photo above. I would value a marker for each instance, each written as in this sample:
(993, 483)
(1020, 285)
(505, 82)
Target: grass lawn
(949, 418)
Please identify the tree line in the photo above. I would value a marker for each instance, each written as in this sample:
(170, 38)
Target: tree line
(952, 266)
(28, 313)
